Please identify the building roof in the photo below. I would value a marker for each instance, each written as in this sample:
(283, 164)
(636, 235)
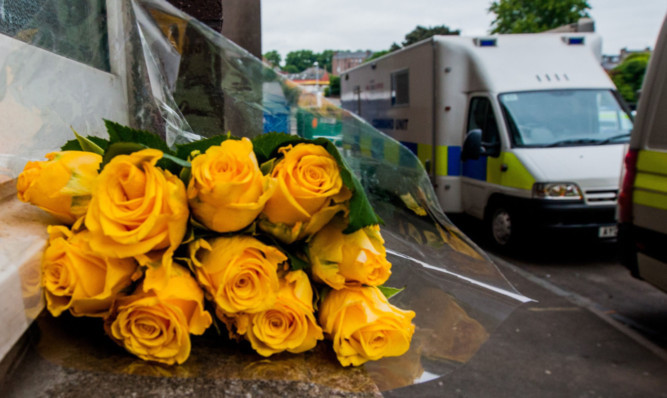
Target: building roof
(350, 54)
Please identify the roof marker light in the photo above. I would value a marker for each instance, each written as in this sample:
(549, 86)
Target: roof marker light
(485, 42)
(574, 41)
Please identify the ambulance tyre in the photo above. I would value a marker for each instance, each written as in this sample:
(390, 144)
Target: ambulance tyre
(502, 226)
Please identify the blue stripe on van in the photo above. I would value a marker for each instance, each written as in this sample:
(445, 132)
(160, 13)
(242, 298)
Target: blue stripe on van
(454, 161)
(475, 168)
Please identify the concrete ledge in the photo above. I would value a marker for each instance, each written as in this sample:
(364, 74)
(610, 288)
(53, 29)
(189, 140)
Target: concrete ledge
(22, 240)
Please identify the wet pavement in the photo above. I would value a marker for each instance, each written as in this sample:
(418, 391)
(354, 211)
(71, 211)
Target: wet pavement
(555, 347)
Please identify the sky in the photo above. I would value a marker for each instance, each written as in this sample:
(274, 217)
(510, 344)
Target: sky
(375, 24)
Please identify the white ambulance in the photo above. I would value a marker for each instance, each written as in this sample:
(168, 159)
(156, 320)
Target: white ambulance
(522, 130)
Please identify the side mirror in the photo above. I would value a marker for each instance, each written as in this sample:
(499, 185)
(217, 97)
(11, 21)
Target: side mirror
(472, 145)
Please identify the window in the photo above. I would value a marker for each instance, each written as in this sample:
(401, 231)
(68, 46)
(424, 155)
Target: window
(565, 118)
(71, 28)
(400, 88)
(481, 117)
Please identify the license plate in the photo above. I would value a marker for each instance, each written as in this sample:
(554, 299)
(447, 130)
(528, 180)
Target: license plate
(608, 232)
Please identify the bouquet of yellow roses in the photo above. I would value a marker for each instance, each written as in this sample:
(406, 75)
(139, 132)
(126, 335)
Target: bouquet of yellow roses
(273, 236)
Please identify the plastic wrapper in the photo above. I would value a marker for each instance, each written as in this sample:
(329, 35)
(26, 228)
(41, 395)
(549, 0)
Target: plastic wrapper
(146, 64)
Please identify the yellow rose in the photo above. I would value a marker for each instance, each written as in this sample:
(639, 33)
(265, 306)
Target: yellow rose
(136, 207)
(227, 190)
(77, 279)
(289, 325)
(364, 326)
(60, 185)
(340, 259)
(309, 193)
(240, 273)
(155, 325)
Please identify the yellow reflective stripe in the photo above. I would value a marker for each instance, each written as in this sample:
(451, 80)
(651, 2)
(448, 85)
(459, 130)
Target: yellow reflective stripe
(365, 144)
(516, 175)
(651, 180)
(424, 152)
(650, 199)
(652, 162)
(441, 159)
(391, 151)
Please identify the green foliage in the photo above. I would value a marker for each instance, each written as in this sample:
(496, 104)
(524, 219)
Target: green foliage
(334, 86)
(291, 69)
(87, 144)
(628, 76)
(298, 61)
(378, 54)
(184, 151)
(325, 58)
(75, 144)
(417, 34)
(420, 33)
(530, 16)
(273, 57)
(119, 133)
(301, 59)
(390, 292)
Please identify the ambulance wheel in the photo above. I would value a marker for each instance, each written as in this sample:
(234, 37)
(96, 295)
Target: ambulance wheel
(502, 227)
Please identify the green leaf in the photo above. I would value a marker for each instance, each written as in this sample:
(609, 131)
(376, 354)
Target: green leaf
(185, 175)
(266, 145)
(183, 151)
(120, 148)
(120, 133)
(173, 164)
(87, 144)
(267, 167)
(296, 263)
(75, 145)
(72, 145)
(390, 292)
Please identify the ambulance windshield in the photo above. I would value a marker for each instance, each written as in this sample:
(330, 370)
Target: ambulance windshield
(565, 118)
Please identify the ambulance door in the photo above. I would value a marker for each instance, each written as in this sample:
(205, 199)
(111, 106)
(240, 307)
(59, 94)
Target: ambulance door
(475, 190)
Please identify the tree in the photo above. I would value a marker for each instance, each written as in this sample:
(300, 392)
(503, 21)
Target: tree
(273, 57)
(300, 59)
(420, 33)
(628, 76)
(325, 58)
(334, 86)
(531, 16)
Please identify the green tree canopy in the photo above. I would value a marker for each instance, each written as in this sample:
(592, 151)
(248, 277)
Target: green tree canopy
(300, 59)
(334, 86)
(420, 33)
(628, 76)
(532, 16)
(324, 59)
(273, 57)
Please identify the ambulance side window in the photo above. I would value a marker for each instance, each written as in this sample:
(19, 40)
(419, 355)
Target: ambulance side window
(481, 117)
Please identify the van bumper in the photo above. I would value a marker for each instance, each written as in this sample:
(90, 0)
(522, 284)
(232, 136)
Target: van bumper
(570, 217)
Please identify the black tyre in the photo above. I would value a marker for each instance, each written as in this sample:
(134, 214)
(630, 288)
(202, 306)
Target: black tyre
(503, 227)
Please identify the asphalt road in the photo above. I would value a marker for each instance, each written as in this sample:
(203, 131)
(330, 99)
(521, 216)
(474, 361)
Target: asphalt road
(592, 331)
(590, 274)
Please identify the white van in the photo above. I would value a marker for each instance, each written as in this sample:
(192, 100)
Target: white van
(518, 130)
(643, 199)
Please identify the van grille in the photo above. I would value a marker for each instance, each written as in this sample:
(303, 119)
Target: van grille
(601, 196)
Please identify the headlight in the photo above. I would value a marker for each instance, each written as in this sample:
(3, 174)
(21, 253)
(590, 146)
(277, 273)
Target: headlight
(556, 190)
